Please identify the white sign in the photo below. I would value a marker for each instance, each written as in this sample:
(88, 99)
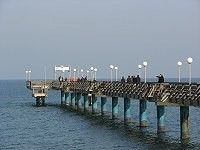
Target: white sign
(62, 68)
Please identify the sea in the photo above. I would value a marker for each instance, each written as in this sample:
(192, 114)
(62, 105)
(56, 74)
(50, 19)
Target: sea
(23, 126)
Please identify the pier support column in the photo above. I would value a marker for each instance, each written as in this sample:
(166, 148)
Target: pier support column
(37, 101)
(103, 106)
(67, 102)
(114, 107)
(79, 104)
(43, 101)
(160, 119)
(143, 115)
(86, 103)
(184, 122)
(73, 100)
(62, 97)
(127, 112)
(40, 101)
(94, 104)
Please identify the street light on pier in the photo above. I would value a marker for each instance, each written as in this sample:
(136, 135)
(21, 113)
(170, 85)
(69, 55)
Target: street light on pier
(74, 74)
(139, 70)
(87, 73)
(179, 63)
(111, 68)
(189, 60)
(92, 73)
(145, 71)
(95, 73)
(82, 72)
(28, 75)
(116, 68)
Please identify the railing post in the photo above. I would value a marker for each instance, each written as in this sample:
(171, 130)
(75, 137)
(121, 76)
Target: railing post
(160, 119)
(94, 104)
(143, 115)
(127, 114)
(103, 106)
(184, 122)
(114, 107)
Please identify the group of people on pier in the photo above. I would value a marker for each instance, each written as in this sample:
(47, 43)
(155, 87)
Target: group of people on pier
(131, 79)
(136, 79)
(82, 79)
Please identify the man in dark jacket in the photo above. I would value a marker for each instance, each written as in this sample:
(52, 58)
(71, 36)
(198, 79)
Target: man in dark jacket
(160, 78)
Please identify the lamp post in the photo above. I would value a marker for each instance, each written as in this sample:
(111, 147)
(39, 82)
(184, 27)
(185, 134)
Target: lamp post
(111, 68)
(87, 73)
(92, 73)
(81, 72)
(28, 75)
(63, 71)
(116, 68)
(74, 74)
(145, 71)
(95, 73)
(139, 70)
(179, 70)
(69, 72)
(189, 60)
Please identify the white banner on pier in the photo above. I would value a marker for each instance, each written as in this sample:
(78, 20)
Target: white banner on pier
(62, 68)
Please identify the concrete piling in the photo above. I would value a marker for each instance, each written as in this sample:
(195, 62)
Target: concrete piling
(94, 104)
(143, 114)
(115, 107)
(127, 113)
(103, 106)
(67, 101)
(160, 119)
(184, 122)
(85, 103)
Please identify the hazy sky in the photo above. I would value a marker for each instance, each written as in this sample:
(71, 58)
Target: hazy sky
(85, 33)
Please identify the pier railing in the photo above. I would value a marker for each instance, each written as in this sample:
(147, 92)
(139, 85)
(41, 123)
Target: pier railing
(162, 93)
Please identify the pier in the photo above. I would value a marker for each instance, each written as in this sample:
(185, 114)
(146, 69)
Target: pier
(80, 95)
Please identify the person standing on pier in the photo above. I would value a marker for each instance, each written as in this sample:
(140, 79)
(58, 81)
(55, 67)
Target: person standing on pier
(160, 78)
(123, 80)
(138, 79)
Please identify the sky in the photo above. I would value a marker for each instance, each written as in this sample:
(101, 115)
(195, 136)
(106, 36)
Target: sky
(36, 35)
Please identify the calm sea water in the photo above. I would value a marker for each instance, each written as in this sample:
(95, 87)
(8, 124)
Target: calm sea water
(24, 126)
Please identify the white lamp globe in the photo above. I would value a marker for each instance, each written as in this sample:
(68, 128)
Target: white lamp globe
(95, 69)
(116, 68)
(189, 60)
(139, 66)
(74, 70)
(91, 68)
(111, 66)
(179, 63)
(144, 63)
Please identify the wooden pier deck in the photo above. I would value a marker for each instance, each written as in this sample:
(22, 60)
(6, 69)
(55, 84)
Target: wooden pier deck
(179, 94)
